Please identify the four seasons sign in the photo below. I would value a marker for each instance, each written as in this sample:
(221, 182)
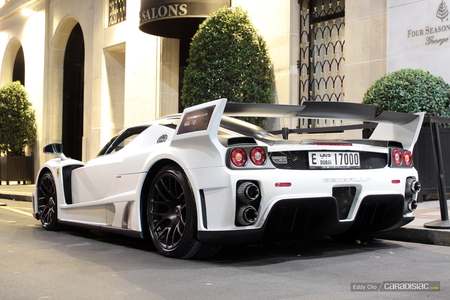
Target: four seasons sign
(434, 34)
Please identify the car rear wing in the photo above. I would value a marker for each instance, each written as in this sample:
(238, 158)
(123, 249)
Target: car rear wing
(204, 119)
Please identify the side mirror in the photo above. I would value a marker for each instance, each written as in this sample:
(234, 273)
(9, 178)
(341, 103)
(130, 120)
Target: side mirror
(55, 148)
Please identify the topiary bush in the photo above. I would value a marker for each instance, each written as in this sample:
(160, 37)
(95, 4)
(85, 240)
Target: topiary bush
(410, 91)
(17, 120)
(228, 59)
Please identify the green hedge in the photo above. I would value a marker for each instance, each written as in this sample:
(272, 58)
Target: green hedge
(410, 91)
(17, 120)
(228, 59)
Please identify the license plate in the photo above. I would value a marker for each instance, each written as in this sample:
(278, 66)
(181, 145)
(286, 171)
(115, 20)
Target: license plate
(333, 160)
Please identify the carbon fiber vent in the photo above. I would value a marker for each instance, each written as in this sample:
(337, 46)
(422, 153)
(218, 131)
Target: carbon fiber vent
(344, 197)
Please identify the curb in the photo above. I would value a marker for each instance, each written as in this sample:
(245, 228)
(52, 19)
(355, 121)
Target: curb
(16, 197)
(417, 235)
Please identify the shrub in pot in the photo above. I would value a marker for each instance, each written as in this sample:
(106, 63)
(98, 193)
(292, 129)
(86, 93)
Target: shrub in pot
(410, 91)
(17, 131)
(228, 59)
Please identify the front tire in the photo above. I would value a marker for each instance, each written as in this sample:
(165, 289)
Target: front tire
(172, 216)
(47, 202)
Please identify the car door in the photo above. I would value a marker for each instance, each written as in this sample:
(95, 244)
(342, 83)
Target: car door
(94, 181)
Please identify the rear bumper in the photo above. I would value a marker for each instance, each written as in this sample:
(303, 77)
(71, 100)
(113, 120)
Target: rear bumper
(309, 217)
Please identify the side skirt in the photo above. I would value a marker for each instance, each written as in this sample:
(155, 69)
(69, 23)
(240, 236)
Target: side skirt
(109, 229)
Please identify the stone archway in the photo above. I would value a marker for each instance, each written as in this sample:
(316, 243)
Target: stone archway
(58, 106)
(9, 61)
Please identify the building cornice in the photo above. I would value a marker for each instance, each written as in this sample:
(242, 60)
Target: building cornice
(13, 7)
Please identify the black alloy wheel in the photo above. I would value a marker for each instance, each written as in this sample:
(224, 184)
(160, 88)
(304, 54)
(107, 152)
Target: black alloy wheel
(47, 202)
(172, 216)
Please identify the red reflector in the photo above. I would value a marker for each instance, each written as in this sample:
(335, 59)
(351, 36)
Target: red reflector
(332, 144)
(395, 181)
(283, 184)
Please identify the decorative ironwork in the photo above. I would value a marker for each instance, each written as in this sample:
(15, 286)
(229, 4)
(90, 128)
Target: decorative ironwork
(117, 11)
(322, 62)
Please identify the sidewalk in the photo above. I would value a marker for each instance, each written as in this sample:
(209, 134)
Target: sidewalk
(14, 191)
(413, 232)
(427, 211)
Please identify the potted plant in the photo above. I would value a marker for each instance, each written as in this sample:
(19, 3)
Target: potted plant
(410, 91)
(228, 59)
(17, 133)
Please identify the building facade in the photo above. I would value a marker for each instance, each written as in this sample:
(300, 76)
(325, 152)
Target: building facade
(89, 70)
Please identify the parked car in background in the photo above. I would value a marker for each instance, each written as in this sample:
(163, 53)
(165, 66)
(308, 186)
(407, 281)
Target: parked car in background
(202, 179)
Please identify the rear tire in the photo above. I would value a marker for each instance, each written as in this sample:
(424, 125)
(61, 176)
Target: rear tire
(172, 216)
(47, 202)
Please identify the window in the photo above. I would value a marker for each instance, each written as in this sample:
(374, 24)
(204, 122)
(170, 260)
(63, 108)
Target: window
(117, 11)
(123, 138)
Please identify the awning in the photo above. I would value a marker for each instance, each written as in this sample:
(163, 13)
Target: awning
(172, 19)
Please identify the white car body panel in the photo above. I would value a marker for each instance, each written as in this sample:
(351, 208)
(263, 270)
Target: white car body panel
(108, 192)
(407, 134)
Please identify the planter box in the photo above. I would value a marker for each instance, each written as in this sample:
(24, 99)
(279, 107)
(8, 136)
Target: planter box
(16, 168)
(425, 163)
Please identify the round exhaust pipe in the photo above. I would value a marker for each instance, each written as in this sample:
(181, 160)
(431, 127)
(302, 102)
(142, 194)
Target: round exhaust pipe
(412, 205)
(247, 215)
(413, 185)
(416, 186)
(248, 192)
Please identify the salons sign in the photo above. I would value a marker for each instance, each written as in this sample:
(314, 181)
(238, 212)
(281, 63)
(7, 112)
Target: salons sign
(168, 17)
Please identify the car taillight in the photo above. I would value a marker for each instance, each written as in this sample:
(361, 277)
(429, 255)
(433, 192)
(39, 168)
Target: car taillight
(397, 157)
(407, 158)
(238, 157)
(258, 156)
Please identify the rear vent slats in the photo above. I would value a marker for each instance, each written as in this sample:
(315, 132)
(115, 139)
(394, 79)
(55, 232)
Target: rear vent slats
(241, 140)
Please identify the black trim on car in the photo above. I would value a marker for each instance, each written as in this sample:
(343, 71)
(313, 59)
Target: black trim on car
(203, 205)
(67, 181)
(312, 217)
(298, 160)
(104, 228)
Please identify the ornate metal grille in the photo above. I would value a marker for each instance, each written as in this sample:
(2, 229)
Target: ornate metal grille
(117, 11)
(322, 63)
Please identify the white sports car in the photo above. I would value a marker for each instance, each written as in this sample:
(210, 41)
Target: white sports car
(199, 180)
